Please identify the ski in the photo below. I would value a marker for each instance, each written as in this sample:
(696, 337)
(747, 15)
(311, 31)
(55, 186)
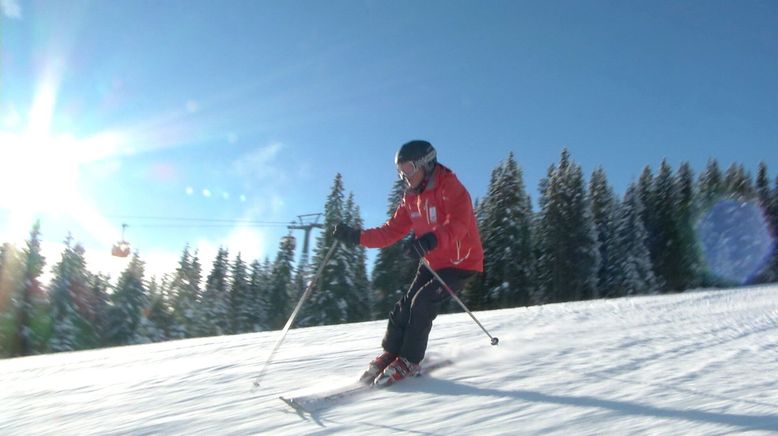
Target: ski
(320, 400)
(317, 401)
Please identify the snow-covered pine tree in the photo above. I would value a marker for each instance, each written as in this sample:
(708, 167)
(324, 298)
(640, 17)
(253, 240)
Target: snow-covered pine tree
(648, 198)
(769, 205)
(10, 269)
(393, 271)
(98, 307)
(735, 240)
(127, 304)
(359, 294)
(710, 190)
(158, 318)
(629, 270)
(569, 253)
(239, 297)
(738, 183)
(193, 286)
(331, 296)
(668, 250)
(505, 226)
(215, 306)
(280, 286)
(586, 259)
(676, 254)
(541, 235)
(70, 330)
(710, 186)
(185, 295)
(10, 282)
(689, 266)
(258, 289)
(474, 292)
(523, 279)
(604, 205)
(763, 191)
(773, 265)
(266, 274)
(31, 318)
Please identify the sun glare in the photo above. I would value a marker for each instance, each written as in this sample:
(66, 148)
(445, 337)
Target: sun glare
(38, 174)
(39, 171)
(48, 165)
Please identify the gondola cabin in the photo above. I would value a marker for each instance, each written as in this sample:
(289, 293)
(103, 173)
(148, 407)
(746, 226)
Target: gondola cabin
(121, 248)
(289, 241)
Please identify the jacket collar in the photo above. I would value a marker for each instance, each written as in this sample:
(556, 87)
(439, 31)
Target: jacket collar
(430, 181)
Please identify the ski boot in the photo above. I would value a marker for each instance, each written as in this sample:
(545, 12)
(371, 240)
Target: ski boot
(399, 369)
(376, 367)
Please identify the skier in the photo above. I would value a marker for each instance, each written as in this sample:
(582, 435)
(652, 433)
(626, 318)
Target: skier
(439, 211)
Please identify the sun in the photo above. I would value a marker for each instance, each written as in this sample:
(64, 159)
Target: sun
(40, 170)
(37, 174)
(33, 179)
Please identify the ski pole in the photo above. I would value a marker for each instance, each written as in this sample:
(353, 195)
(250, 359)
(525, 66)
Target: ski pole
(294, 314)
(494, 339)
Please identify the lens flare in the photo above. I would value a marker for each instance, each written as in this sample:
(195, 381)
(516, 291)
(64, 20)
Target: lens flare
(735, 240)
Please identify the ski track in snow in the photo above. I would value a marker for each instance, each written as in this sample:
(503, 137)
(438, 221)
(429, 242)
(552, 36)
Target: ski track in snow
(698, 362)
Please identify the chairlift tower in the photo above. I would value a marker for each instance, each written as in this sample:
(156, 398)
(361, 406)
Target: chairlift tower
(307, 222)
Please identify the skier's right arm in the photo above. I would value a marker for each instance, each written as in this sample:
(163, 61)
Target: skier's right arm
(390, 232)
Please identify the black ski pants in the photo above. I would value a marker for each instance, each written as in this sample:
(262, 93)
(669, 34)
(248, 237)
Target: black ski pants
(411, 319)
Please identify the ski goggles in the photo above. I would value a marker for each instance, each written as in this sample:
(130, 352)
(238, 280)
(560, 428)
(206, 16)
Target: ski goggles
(409, 168)
(406, 170)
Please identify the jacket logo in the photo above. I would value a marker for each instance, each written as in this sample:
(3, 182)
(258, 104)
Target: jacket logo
(415, 215)
(433, 214)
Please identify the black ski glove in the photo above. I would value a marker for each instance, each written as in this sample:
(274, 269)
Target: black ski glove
(417, 248)
(347, 234)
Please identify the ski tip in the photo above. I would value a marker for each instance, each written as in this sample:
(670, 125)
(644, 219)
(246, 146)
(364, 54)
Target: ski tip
(436, 365)
(293, 404)
(289, 401)
(367, 381)
(382, 382)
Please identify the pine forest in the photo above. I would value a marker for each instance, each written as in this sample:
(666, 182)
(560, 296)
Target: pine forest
(669, 232)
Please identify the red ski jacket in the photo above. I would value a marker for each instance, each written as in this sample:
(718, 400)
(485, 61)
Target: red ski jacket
(444, 208)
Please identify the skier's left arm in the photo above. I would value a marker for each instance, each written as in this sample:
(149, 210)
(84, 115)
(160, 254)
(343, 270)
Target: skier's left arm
(459, 214)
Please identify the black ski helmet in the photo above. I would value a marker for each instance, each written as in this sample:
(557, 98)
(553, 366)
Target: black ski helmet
(421, 153)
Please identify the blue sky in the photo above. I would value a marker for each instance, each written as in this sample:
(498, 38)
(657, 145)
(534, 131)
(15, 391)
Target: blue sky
(246, 110)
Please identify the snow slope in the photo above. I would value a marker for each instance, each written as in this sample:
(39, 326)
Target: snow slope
(699, 362)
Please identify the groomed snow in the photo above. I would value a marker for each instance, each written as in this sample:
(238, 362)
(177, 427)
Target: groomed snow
(699, 362)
